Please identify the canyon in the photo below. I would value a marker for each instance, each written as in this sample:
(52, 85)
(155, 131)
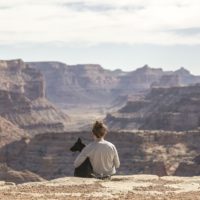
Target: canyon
(97, 92)
(23, 102)
(141, 152)
(175, 109)
(75, 85)
(153, 118)
(37, 97)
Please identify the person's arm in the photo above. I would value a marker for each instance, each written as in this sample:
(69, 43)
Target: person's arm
(116, 158)
(81, 157)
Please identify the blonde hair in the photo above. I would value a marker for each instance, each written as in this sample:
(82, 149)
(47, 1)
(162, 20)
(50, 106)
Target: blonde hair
(99, 129)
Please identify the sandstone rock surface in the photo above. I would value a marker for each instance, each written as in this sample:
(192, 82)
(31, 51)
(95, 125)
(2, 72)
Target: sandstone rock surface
(23, 102)
(176, 109)
(149, 152)
(9, 175)
(33, 116)
(77, 84)
(17, 76)
(138, 187)
(68, 85)
(9, 132)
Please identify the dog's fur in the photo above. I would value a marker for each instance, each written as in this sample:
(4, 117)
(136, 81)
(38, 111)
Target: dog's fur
(85, 169)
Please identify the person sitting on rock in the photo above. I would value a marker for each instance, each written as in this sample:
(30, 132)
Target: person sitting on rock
(103, 155)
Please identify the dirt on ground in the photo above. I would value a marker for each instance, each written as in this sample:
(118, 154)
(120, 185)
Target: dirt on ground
(137, 187)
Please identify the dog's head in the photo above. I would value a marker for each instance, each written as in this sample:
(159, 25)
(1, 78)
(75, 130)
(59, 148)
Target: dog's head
(78, 146)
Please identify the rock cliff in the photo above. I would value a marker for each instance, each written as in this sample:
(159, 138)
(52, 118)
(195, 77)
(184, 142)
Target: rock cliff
(17, 76)
(33, 116)
(77, 84)
(23, 102)
(174, 108)
(140, 79)
(149, 152)
(68, 85)
(9, 175)
(9, 132)
(180, 77)
(186, 78)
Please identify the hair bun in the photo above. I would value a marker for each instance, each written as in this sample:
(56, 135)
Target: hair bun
(98, 124)
(99, 129)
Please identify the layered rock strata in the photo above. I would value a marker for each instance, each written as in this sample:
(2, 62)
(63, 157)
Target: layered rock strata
(16, 76)
(69, 85)
(160, 153)
(23, 102)
(77, 84)
(9, 132)
(9, 175)
(33, 116)
(176, 108)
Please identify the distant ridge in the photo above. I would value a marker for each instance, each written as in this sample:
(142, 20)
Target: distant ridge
(81, 84)
(22, 99)
(175, 109)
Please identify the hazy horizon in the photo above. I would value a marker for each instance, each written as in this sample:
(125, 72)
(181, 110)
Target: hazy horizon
(116, 34)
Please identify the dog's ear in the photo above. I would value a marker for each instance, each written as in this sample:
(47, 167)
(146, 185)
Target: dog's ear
(79, 139)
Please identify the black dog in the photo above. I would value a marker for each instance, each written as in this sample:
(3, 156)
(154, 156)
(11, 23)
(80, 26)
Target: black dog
(85, 169)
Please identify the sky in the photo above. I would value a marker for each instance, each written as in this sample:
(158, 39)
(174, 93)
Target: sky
(124, 34)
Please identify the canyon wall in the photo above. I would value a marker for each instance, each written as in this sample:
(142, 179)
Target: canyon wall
(9, 132)
(17, 76)
(33, 116)
(77, 84)
(68, 85)
(141, 152)
(176, 108)
(23, 102)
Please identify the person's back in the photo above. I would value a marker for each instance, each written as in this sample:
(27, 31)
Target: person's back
(103, 154)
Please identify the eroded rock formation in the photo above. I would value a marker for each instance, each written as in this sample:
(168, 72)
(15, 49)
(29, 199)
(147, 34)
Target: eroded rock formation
(17, 76)
(9, 175)
(150, 152)
(9, 132)
(175, 108)
(23, 101)
(34, 116)
(77, 84)
(69, 85)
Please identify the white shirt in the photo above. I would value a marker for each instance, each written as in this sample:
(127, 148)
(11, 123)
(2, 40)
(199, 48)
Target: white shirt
(103, 157)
